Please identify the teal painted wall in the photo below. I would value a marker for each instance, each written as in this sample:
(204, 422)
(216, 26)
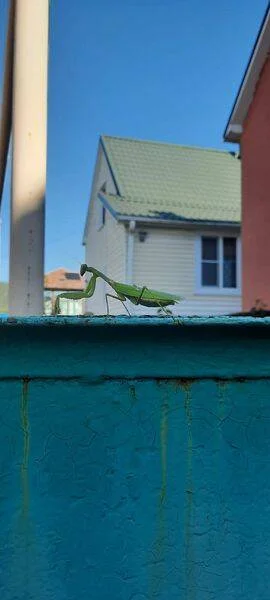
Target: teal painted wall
(134, 459)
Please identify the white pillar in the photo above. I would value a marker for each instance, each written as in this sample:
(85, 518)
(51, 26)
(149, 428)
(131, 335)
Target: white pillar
(29, 127)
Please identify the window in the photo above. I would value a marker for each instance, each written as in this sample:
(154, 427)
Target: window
(101, 210)
(209, 261)
(229, 262)
(101, 215)
(218, 260)
(74, 276)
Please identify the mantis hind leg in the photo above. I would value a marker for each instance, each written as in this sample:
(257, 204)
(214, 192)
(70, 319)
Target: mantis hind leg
(141, 295)
(168, 314)
(121, 298)
(164, 309)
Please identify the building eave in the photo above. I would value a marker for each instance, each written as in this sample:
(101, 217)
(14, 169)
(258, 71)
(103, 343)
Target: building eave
(259, 54)
(179, 223)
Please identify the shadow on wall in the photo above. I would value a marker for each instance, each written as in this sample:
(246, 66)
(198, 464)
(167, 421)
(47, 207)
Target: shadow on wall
(27, 252)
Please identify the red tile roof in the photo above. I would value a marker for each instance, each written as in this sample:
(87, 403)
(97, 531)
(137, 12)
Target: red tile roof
(63, 279)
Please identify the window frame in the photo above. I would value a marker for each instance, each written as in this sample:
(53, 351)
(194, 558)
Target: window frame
(101, 215)
(217, 290)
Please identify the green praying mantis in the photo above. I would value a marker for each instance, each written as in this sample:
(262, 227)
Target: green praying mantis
(123, 292)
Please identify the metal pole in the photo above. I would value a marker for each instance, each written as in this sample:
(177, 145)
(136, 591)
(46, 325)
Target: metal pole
(0, 247)
(29, 126)
(6, 107)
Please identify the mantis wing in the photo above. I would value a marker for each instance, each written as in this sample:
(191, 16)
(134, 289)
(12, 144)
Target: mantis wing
(146, 296)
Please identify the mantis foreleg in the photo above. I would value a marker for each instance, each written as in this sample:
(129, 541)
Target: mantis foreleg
(88, 292)
(122, 298)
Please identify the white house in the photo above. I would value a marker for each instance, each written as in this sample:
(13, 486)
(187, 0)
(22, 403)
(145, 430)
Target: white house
(168, 217)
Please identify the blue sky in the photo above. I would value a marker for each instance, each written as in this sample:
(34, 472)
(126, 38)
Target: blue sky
(165, 70)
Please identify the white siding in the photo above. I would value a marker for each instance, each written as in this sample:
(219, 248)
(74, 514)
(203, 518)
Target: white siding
(105, 247)
(166, 261)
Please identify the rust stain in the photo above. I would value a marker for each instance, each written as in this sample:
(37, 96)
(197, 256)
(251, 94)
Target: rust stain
(185, 383)
(163, 448)
(158, 572)
(221, 387)
(186, 386)
(132, 391)
(26, 448)
(189, 550)
(25, 558)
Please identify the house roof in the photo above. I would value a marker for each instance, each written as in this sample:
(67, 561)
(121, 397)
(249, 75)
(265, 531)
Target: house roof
(63, 279)
(170, 182)
(259, 54)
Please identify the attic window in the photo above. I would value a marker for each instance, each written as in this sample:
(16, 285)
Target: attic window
(73, 276)
(103, 217)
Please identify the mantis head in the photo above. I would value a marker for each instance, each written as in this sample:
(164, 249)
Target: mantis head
(85, 268)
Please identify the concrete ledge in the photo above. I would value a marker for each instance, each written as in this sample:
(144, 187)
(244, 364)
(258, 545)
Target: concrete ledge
(111, 321)
(124, 348)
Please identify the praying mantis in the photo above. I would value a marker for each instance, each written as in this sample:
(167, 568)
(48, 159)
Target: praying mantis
(123, 292)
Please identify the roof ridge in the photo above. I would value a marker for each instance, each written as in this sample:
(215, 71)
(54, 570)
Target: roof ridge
(170, 144)
(60, 269)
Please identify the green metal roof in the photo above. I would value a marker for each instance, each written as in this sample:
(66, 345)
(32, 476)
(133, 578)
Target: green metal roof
(166, 181)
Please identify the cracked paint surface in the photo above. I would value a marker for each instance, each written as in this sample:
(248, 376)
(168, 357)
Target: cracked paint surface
(134, 488)
(137, 490)
(140, 491)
